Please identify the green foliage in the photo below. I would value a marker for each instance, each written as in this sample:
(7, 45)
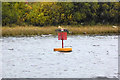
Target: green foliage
(59, 13)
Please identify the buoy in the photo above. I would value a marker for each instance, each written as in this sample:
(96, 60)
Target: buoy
(63, 49)
(62, 35)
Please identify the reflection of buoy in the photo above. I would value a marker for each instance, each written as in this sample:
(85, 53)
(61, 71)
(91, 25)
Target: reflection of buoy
(63, 49)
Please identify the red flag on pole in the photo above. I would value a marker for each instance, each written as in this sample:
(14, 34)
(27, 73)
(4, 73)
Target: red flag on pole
(62, 36)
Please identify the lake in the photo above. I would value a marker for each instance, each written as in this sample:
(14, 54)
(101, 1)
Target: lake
(33, 57)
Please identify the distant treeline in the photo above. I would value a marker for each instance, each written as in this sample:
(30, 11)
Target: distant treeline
(60, 13)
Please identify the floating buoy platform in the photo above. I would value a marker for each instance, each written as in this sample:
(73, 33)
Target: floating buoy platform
(62, 35)
(63, 49)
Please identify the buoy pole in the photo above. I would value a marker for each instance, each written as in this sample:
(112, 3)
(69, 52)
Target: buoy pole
(62, 43)
(62, 40)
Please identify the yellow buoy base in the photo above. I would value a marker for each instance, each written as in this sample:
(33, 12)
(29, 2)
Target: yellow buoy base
(63, 49)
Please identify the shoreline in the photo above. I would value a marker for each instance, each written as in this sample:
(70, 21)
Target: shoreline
(27, 31)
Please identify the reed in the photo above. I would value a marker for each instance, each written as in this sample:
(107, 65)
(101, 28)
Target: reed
(33, 30)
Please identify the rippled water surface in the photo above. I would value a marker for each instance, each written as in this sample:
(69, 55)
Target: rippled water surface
(33, 57)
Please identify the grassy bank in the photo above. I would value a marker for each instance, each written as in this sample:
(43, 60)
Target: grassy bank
(32, 30)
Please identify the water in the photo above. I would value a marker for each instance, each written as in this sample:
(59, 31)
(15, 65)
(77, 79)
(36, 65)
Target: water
(33, 57)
